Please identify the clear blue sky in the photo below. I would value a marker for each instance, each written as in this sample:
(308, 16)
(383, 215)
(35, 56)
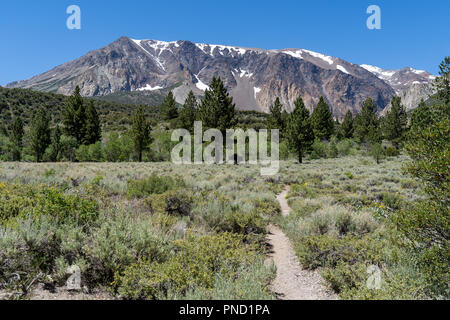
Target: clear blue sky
(414, 33)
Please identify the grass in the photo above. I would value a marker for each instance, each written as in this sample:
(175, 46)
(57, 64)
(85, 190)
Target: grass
(142, 212)
(339, 224)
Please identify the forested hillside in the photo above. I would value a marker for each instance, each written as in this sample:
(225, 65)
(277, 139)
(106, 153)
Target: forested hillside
(25, 102)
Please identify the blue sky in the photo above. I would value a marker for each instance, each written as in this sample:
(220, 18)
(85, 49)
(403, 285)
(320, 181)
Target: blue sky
(414, 33)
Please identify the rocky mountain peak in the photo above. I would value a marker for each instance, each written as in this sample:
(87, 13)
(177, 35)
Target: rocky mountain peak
(255, 77)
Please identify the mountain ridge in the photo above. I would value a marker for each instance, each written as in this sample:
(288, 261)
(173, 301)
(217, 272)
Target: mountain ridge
(253, 76)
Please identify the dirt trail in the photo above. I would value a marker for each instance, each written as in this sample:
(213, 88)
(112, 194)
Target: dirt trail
(292, 282)
(285, 209)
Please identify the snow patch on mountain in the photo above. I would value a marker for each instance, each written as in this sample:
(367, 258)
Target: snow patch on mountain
(200, 85)
(156, 58)
(417, 71)
(380, 73)
(320, 56)
(149, 88)
(296, 54)
(341, 68)
(245, 73)
(256, 90)
(402, 78)
(210, 48)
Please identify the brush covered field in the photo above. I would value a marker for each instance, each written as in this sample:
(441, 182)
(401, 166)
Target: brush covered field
(162, 231)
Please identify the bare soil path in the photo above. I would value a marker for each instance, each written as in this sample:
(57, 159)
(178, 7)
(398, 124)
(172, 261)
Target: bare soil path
(285, 209)
(292, 282)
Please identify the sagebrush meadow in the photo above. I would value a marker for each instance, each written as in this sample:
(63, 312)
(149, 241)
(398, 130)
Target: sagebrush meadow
(178, 170)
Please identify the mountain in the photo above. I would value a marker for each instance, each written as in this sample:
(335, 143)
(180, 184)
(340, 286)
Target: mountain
(410, 84)
(254, 77)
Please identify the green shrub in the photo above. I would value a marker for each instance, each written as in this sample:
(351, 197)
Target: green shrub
(91, 153)
(251, 284)
(96, 152)
(318, 150)
(303, 191)
(344, 147)
(320, 223)
(303, 208)
(118, 241)
(117, 148)
(195, 262)
(377, 152)
(345, 277)
(68, 146)
(391, 152)
(349, 175)
(267, 208)
(344, 222)
(178, 203)
(425, 227)
(336, 221)
(27, 250)
(82, 154)
(327, 251)
(284, 150)
(392, 200)
(14, 199)
(49, 173)
(23, 201)
(153, 185)
(53, 203)
(245, 223)
(401, 281)
(332, 151)
(409, 184)
(173, 202)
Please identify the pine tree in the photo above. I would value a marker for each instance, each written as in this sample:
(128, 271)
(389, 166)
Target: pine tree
(3, 130)
(337, 128)
(93, 130)
(74, 117)
(140, 133)
(442, 83)
(377, 152)
(16, 137)
(217, 109)
(425, 223)
(346, 128)
(188, 112)
(169, 109)
(299, 132)
(421, 117)
(322, 120)
(55, 146)
(374, 134)
(395, 122)
(276, 118)
(366, 124)
(40, 134)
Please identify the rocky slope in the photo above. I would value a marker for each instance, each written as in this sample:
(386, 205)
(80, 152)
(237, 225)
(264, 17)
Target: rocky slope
(253, 76)
(410, 84)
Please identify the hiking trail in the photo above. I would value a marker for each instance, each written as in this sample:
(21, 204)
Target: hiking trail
(292, 281)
